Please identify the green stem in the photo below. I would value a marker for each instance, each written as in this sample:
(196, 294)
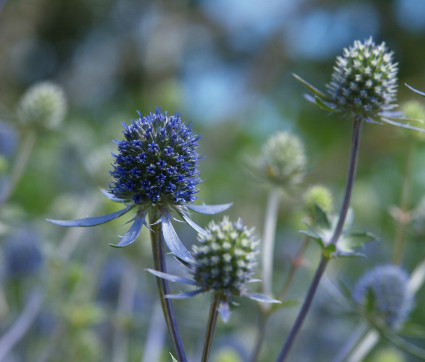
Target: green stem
(159, 263)
(212, 322)
(269, 239)
(296, 263)
(266, 311)
(26, 147)
(355, 143)
(402, 217)
(261, 333)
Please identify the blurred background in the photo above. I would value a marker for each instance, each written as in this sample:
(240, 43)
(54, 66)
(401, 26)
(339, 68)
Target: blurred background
(226, 65)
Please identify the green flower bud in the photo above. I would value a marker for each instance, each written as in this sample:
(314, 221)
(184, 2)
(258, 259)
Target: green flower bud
(364, 80)
(42, 105)
(226, 258)
(282, 159)
(318, 195)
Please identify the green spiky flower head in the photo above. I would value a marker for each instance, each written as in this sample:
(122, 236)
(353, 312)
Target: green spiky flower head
(282, 159)
(225, 258)
(42, 105)
(364, 80)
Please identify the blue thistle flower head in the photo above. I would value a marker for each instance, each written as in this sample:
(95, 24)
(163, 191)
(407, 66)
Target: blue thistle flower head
(22, 255)
(156, 167)
(157, 161)
(224, 262)
(383, 292)
(364, 84)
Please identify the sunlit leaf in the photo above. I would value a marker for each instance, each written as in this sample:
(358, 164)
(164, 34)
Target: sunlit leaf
(172, 240)
(415, 90)
(261, 298)
(92, 221)
(224, 310)
(110, 196)
(194, 225)
(131, 235)
(209, 209)
(171, 278)
(311, 88)
(185, 295)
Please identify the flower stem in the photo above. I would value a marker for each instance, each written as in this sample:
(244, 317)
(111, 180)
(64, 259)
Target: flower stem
(159, 263)
(269, 238)
(212, 322)
(355, 143)
(266, 311)
(27, 145)
(18, 330)
(403, 218)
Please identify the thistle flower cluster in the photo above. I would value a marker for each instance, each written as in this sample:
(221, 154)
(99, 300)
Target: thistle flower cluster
(282, 159)
(42, 105)
(157, 161)
(22, 255)
(364, 79)
(225, 258)
(363, 83)
(383, 292)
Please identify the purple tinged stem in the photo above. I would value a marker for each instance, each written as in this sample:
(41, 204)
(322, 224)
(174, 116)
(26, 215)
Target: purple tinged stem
(355, 143)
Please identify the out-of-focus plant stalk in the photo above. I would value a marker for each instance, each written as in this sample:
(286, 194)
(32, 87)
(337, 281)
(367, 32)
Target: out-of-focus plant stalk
(124, 308)
(26, 148)
(355, 338)
(22, 324)
(163, 290)
(402, 214)
(355, 143)
(266, 311)
(269, 239)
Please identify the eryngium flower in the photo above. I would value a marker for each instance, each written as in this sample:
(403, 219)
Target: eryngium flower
(223, 262)
(364, 83)
(282, 159)
(364, 80)
(157, 161)
(22, 255)
(43, 104)
(383, 292)
(157, 167)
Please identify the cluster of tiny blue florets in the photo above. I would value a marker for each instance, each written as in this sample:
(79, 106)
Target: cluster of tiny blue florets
(22, 254)
(383, 292)
(364, 78)
(157, 161)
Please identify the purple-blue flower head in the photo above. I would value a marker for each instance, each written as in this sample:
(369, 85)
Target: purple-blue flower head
(156, 167)
(383, 292)
(157, 162)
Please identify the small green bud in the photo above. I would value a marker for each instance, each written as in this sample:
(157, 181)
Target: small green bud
(318, 195)
(225, 258)
(42, 105)
(282, 160)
